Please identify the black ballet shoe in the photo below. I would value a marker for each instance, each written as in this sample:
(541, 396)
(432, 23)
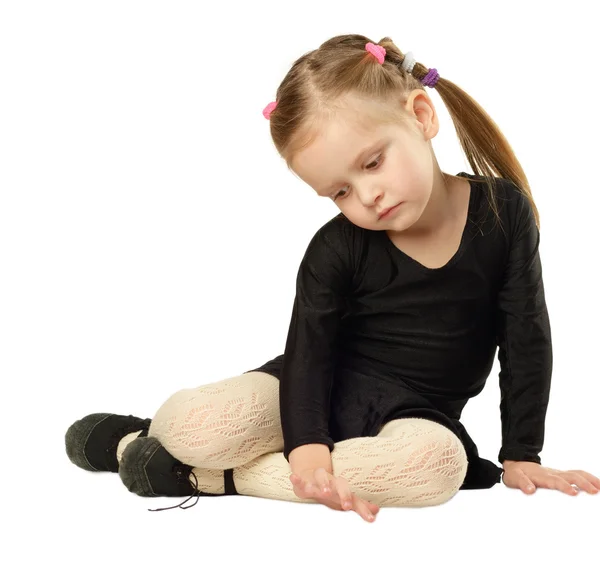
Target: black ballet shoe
(92, 442)
(149, 470)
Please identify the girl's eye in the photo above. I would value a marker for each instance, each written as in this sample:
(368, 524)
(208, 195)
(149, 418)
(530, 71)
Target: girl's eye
(379, 158)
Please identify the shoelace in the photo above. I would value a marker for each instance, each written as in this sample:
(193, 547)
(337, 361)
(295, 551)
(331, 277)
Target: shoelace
(183, 472)
(180, 472)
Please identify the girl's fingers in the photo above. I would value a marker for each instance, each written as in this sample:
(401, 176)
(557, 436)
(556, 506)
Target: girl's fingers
(322, 479)
(559, 484)
(303, 491)
(362, 508)
(347, 499)
(314, 490)
(525, 483)
(344, 493)
(576, 479)
(527, 486)
(300, 483)
(595, 481)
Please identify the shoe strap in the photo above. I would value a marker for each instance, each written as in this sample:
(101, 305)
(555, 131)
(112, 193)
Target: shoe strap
(229, 484)
(229, 490)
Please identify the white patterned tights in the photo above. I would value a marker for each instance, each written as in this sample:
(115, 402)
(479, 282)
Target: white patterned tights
(235, 423)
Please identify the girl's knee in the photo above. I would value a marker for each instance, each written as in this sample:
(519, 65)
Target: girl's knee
(429, 463)
(449, 460)
(164, 418)
(454, 467)
(446, 466)
(222, 424)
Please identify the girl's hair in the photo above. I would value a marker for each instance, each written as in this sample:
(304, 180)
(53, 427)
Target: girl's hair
(314, 88)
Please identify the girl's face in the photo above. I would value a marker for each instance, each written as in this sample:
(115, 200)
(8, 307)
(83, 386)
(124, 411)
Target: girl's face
(395, 167)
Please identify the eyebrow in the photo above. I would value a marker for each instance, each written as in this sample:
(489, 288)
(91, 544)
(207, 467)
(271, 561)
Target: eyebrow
(361, 154)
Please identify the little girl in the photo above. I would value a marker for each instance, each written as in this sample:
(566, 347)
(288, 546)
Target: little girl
(402, 300)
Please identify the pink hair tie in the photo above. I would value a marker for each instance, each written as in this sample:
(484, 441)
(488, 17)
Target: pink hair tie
(269, 109)
(377, 50)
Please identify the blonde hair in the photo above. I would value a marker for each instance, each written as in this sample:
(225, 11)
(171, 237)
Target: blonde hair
(313, 91)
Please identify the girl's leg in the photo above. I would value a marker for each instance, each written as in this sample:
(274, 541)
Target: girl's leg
(235, 423)
(217, 425)
(223, 424)
(412, 462)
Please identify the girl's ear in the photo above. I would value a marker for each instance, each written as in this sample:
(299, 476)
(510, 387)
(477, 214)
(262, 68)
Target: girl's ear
(420, 106)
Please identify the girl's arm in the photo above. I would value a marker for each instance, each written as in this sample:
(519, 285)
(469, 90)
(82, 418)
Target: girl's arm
(310, 457)
(524, 340)
(310, 352)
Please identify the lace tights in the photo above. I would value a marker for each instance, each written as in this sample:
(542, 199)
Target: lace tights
(235, 423)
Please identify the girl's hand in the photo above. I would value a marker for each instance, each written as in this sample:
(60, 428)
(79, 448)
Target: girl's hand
(526, 476)
(331, 491)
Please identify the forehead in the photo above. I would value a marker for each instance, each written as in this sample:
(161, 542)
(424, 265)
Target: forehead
(332, 150)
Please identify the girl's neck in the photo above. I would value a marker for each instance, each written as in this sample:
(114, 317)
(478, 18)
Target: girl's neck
(442, 210)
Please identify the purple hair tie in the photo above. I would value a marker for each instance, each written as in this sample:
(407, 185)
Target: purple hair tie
(431, 78)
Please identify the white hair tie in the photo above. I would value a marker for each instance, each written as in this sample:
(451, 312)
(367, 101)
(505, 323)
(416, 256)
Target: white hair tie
(408, 63)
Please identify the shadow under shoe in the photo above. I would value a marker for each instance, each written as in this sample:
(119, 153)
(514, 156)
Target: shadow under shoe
(149, 470)
(91, 442)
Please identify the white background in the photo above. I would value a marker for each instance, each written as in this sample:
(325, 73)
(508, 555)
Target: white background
(150, 237)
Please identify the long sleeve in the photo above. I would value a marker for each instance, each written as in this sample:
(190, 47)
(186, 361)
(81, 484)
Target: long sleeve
(310, 350)
(525, 344)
